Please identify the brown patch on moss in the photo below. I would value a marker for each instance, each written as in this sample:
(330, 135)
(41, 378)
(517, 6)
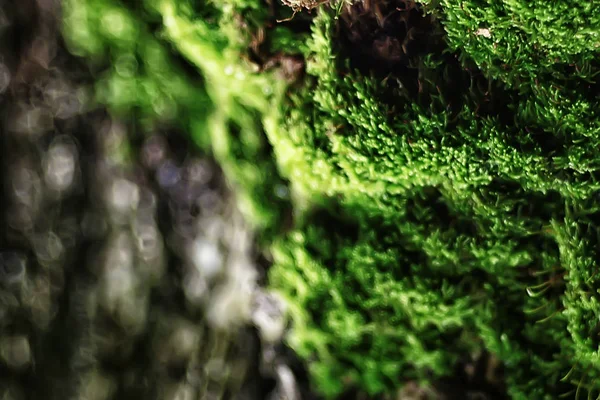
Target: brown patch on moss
(392, 40)
(481, 377)
(299, 5)
(291, 67)
(386, 36)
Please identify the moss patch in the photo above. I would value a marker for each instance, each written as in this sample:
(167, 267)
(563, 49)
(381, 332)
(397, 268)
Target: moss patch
(440, 158)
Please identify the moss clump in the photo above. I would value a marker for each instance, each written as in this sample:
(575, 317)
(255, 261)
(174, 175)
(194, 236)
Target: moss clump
(441, 160)
(470, 176)
(519, 42)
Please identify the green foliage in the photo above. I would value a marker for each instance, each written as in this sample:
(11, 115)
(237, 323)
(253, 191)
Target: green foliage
(481, 200)
(527, 40)
(430, 223)
(360, 304)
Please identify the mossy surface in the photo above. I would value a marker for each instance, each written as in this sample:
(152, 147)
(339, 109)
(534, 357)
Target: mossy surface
(440, 158)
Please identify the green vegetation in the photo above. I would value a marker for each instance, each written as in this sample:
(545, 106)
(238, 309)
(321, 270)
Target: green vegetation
(445, 192)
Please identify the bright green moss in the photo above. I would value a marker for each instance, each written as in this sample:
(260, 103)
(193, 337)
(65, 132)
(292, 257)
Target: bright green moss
(471, 194)
(521, 41)
(358, 311)
(428, 224)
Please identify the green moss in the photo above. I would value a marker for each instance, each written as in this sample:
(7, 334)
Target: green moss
(472, 194)
(527, 40)
(443, 210)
